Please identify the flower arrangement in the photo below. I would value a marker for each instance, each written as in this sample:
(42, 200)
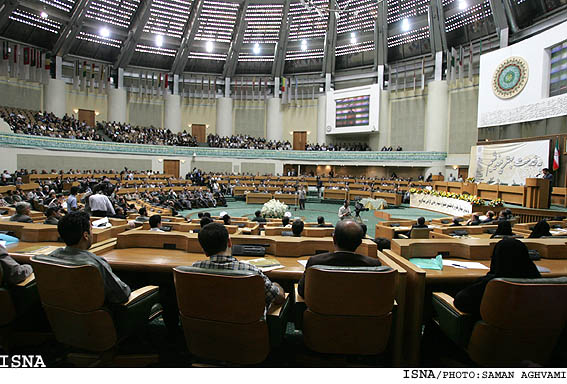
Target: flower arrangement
(459, 196)
(274, 209)
(470, 180)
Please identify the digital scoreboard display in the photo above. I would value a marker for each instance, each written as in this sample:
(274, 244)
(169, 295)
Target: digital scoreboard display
(352, 111)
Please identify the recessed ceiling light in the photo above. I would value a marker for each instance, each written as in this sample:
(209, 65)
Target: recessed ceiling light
(353, 38)
(405, 25)
(44, 14)
(256, 48)
(104, 32)
(304, 45)
(462, 5)
(209, 46)
(159, 40)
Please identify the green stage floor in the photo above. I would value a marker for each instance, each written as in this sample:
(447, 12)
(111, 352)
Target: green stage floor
(313, 210)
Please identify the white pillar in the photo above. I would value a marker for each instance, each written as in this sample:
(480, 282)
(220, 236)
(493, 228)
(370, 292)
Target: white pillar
(117, 105)
(436, 120)
(383, 123)
(438, 66)
(54, 97)
(172, 118)
(274, 120)
(58, 67)
(224, 116)
(321, 118)
(120, 77)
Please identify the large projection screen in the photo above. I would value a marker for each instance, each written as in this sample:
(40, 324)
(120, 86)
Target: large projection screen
(353, 110)
(509, 163)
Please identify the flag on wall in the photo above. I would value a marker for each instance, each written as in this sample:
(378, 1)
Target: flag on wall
(14, 69)
(84, 76)
(93, 70)
(4, 68)
(26, 71)
(556, 156)
(38, 68)
(470, 62)
(423, 74)
(76, 75)
(453, 64)
(46, 58)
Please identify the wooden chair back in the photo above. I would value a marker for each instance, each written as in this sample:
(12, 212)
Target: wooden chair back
(522, 320)
(349, 309)
(420, 233)
(73, 299)
(222, 312)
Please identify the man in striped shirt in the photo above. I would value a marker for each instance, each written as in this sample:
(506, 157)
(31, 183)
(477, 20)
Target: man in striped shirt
(216, 243)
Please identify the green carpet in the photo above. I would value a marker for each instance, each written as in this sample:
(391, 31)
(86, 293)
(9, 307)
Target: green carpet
(313, 210)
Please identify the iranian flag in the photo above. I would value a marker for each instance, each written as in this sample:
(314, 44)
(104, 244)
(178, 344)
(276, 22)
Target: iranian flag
(556, 156)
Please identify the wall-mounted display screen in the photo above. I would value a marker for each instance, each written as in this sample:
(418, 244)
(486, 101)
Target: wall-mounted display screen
(558, 72)
(352, 111)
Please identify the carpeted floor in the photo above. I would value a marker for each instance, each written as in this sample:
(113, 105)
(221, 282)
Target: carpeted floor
(313, 210)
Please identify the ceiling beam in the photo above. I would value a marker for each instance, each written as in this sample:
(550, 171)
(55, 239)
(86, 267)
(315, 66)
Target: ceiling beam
(6, 9)
(134, 34)
(381, 35)
(500, 21)
(281, 46)
(71, 30)
(437, 36)
(189, 32)
(330, 42)
(236, 44)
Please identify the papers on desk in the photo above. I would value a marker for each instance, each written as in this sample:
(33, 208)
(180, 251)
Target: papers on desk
(464, 264)
(102, 223)
(302, 262)
(3, 243)
(265, 264)
(558, 231)
(39, 250)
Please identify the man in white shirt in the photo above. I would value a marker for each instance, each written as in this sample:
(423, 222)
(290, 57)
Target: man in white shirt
(344, 211)
(100, 205)
(155, 223)
(451, 177)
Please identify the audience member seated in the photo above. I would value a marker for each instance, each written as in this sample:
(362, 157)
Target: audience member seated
(504, 229)
(258, 217)
(541, 229)
(14, 272)
(420, 224)
(505, 214)
(75, 230)
(217, 245)
(23, 211)
(489, 218)
(142, 215)
(297, 227)
(510, 259)
(285, 221)
(52, 216)
(346, 238)
(321, 223)
(456, 222)
(226, 219)
(155, 223)
(474, 220)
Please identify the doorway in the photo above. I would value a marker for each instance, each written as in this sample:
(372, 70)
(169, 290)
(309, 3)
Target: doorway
(299, 140)
(199, 132)
(171, 167)
(87, 116)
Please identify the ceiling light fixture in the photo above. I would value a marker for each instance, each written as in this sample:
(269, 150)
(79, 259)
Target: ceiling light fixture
(304, 45)
(405, 25)
(104, 32)
(44, 15)
(209, 46)
(256, 49)
(462, 5)
(159, 40)
(353, 38)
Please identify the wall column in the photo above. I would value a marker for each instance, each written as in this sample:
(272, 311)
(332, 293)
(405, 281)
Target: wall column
(224, 116)
(117, 105)
(321, 118)
(383, 123)
(436, 120)
(172, 118)
(274, 120)
(54, 97)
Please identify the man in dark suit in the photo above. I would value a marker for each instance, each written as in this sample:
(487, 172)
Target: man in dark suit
(548, 176)
(420, 224)
(347, 237)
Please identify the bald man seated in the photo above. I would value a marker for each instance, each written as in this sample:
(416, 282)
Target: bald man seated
(347, 237)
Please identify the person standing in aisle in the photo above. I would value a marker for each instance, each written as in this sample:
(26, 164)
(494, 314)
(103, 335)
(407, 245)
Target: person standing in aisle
(301, 197)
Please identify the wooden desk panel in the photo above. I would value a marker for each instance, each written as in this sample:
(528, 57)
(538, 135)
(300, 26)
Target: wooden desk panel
(336, 194)
(352, 195)
(286, 198)
(258, 198)
(390, 197)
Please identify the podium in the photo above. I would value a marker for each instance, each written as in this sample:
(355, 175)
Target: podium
(537, 193)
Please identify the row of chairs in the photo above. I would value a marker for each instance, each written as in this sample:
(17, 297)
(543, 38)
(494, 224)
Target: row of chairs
(347, 311)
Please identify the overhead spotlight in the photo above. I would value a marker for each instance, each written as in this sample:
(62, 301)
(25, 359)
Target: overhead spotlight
(159, 40)
(353, 38)
(304, 45)
(104, 32)
(405, 25)
(209, 46)
(256, 49)
(462, 5)
(44, 15)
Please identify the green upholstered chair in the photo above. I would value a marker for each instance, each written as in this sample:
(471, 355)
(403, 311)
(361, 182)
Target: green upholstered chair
(73, 299)
(224, 315)
(522, 320)
(349, 309)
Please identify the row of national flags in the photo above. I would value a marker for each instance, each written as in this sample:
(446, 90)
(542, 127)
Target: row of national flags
(25, 63)
(91, 77)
